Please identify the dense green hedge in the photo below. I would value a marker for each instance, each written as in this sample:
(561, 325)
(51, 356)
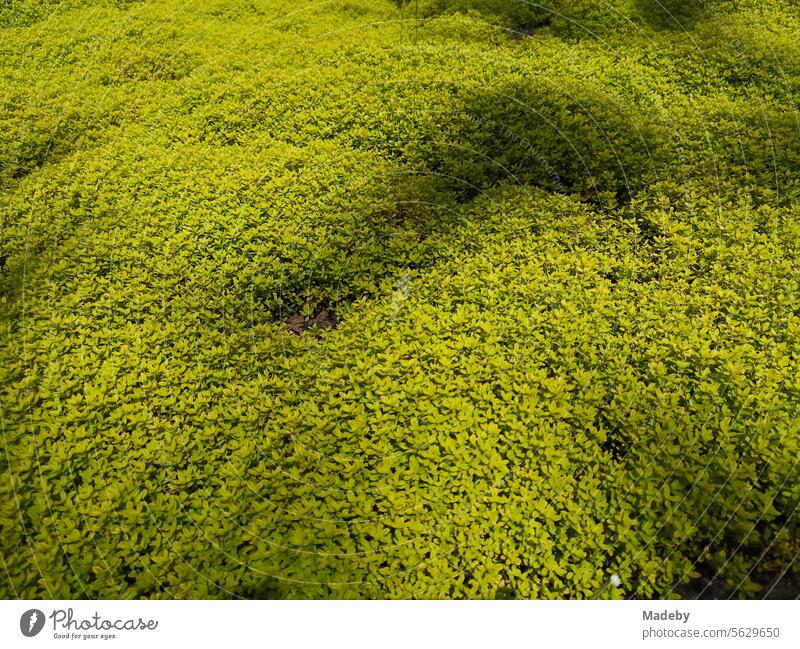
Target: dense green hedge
(559, 244)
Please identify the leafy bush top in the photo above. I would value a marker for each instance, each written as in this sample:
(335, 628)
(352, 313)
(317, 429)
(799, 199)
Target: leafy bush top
(560, 243)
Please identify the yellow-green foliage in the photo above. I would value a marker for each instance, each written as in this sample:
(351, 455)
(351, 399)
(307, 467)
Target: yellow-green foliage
(561, 244)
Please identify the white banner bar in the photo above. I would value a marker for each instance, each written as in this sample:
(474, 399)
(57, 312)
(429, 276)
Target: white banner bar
(371, 625)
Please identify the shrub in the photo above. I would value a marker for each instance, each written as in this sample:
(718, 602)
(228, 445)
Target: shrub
(330, 304)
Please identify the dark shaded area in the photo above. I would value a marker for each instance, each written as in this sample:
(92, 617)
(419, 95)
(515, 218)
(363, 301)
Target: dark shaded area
(269, 588)
(558, 134)
(517, 16)
(569, 137)
(779, 585)
(33, 147)
(672, 14)
(320, 319)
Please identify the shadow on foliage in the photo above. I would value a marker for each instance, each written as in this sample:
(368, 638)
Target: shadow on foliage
(672, 14)
(514, 15)
(572, 139)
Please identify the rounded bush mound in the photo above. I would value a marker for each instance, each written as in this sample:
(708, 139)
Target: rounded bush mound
(381, 299)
